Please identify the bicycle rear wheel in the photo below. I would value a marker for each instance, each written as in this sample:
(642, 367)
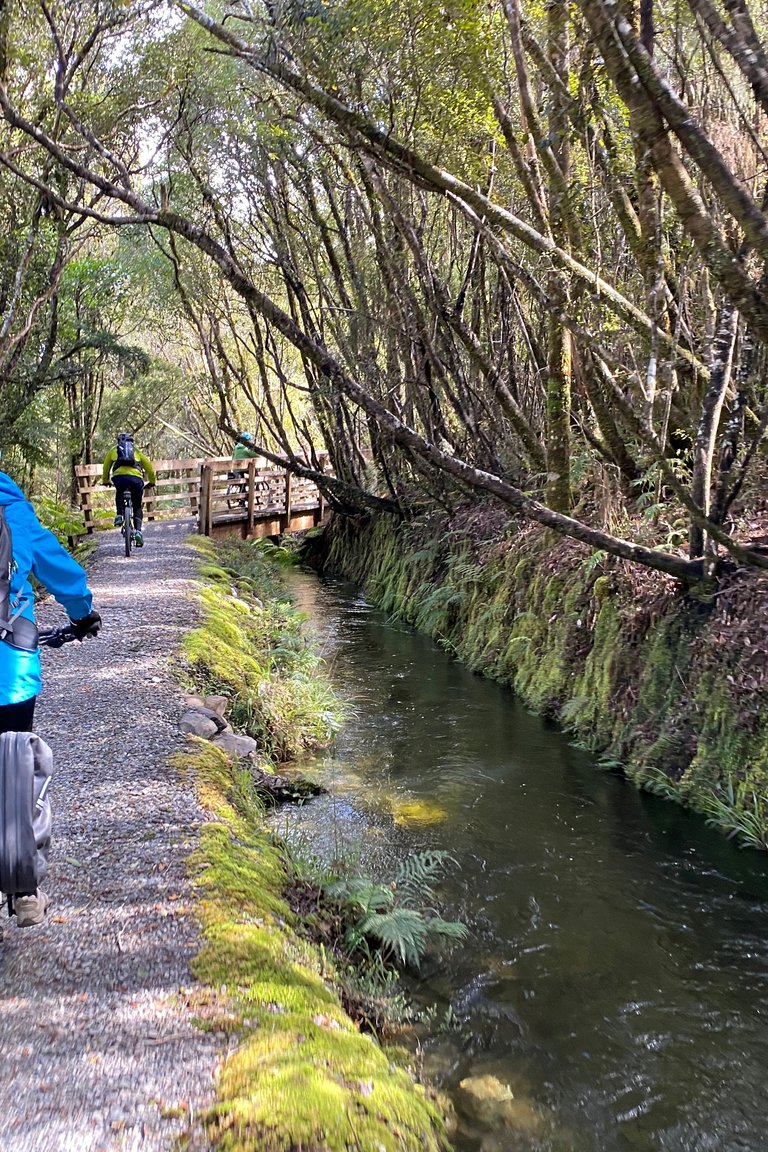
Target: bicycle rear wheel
(127, 523)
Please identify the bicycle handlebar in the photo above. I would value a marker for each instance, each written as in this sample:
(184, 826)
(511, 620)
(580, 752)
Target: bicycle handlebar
(57, 637)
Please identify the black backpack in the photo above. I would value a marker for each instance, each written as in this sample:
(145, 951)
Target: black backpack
(8, 613)
(125, 451)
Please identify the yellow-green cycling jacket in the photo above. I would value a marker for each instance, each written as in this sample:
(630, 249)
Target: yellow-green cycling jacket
(143, 469)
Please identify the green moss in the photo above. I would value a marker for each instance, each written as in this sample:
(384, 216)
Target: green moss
(594, 720)
(659, 673)
(302, 1076)
(224, 667)
(215, 574)
(250, 648)
(601, 588)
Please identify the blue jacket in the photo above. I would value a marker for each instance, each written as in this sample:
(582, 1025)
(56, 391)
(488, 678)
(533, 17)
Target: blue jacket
(36, 551)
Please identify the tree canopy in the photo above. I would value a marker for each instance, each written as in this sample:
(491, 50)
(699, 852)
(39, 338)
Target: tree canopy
(509, 250)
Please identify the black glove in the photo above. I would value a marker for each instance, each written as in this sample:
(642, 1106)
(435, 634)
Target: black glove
(88, 626)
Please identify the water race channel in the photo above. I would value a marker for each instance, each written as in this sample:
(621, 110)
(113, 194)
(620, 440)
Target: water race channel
(614, 985)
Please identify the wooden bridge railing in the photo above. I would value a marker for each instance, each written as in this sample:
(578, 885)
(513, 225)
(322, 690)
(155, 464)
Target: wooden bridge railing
(227, 496)
(177, 491)
(240, 497)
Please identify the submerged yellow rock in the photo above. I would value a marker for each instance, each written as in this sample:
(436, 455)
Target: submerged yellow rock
(489, 1102)
(406, 812)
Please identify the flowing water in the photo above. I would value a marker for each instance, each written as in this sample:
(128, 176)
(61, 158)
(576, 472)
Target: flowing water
(613, 992)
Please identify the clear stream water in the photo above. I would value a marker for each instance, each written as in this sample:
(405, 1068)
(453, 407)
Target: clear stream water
(616, 974)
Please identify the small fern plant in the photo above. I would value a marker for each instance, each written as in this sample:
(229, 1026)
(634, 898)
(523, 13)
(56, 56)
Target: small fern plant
(396, 919)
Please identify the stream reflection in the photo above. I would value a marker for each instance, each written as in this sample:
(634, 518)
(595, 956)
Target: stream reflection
(616, 975)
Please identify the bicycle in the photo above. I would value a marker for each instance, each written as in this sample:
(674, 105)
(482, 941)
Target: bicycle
(237, 490)
(25, 849)
(128, 527)
(238, 484)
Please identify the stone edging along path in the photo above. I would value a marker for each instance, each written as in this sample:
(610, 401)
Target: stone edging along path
(99, 1048)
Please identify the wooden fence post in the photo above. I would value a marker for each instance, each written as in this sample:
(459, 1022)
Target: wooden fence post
(288, 488)
(206, 497)
(251, 495)
(193, 490)
(83, 486)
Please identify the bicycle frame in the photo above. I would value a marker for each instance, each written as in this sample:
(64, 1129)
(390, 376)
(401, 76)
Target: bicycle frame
(127, 528)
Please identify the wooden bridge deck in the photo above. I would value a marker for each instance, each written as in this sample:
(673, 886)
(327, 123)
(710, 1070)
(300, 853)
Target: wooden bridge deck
(227, 497)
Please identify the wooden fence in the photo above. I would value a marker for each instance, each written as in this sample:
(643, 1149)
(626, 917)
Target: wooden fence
(227, 497)
(176, 493)
(238, 497)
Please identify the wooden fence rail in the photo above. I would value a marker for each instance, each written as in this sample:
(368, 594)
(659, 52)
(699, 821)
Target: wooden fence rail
(227, 496)
(177, 491)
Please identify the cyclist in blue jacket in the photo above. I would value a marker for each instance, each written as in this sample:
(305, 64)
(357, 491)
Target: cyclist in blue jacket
(36, 551)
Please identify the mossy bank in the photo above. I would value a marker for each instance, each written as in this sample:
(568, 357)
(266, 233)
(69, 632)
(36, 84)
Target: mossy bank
(667, 688)
(301, 1075)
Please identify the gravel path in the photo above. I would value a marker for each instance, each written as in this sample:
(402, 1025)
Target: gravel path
(98, 1048)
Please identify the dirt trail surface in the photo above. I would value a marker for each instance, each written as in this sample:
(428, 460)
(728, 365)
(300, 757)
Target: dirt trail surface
(99, 1051)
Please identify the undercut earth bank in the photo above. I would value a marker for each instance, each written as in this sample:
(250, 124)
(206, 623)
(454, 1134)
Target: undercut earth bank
(666, 688)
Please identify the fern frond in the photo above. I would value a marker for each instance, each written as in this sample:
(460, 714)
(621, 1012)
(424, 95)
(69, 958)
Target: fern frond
(361, 894)
(415, 878)
(402, 932)
(447, 929)
(594, 561)
(572, 708)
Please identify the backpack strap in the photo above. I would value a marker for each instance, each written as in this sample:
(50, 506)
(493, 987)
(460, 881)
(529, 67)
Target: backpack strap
(7, 625)
(16, 610)
(9, 610)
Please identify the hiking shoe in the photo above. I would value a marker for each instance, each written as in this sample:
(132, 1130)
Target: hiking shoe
(118, 521)
(30, 910)
(138, 539)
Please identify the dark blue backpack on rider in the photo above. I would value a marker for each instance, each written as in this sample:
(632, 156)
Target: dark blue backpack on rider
(126, 452)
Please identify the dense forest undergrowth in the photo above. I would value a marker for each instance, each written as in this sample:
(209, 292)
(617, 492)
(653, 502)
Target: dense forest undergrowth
(665, 687)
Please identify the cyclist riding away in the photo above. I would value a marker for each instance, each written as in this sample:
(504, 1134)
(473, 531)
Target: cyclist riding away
(36, 552)
(126, 467)
(242, 451)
